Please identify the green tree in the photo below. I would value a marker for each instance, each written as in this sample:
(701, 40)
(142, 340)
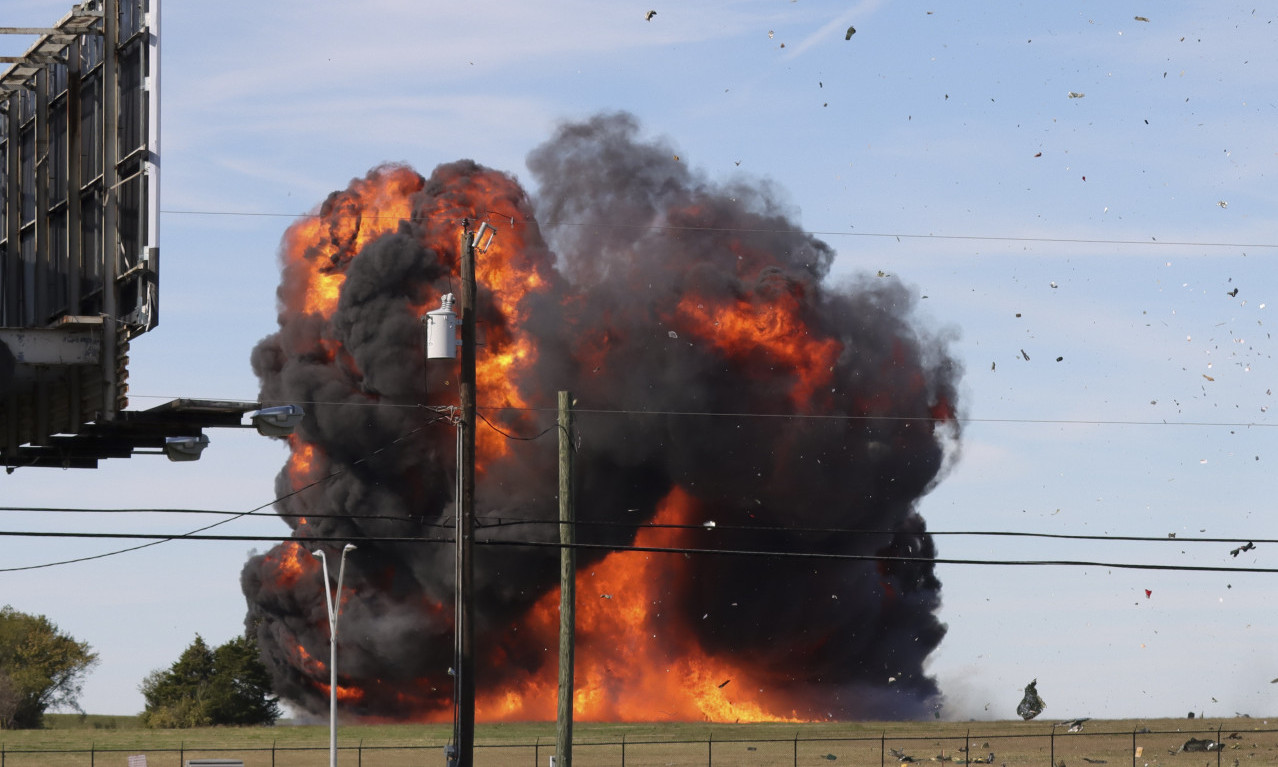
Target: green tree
(41, 667)
(205, 687)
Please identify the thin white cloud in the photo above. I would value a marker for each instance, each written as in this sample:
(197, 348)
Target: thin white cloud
(835, 28)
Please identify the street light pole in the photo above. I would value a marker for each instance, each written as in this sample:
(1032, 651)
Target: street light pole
(334, 610)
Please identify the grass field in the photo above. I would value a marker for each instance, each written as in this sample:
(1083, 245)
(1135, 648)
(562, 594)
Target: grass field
(73, 741)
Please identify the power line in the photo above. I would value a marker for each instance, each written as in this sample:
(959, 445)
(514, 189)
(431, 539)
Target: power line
(879, 558)
(191, 534)
(1152, 241)
(792, 416)
(717, 527)
(223, 512)
(497, 522)
(164, 537)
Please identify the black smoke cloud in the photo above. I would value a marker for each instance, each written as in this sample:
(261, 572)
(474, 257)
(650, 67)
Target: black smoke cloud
(630, 232)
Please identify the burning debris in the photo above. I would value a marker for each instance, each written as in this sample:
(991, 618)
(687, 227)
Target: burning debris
(1031, 705)
(642, 247)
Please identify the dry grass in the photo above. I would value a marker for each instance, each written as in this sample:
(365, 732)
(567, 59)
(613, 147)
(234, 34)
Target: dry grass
(96, 741)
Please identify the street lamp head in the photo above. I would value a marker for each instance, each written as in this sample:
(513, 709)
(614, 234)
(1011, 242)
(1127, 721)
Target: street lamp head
(349, 547)
(277, 421)
(185, 448)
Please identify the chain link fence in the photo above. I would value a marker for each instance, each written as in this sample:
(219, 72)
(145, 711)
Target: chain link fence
(1057, 747)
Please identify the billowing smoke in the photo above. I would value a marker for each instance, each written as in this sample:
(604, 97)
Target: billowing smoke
(720, 376)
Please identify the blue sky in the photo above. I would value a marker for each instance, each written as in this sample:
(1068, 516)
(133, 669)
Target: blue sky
(939, 144)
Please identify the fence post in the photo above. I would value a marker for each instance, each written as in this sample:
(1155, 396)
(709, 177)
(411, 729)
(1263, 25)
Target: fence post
(623, 749)
(181, 752)
(272, 752)
(1133, 747)
(883, 748)
(1218, 745)
(967, 747)
(537, 752)
(1052, 758)
(360, 761)
(93, 755)
(796, 749)
(710, 750)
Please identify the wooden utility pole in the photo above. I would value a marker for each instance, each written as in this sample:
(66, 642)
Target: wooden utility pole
(464, 734)
(567, 584)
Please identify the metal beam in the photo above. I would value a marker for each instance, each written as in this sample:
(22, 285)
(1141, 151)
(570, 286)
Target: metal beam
(40, 346)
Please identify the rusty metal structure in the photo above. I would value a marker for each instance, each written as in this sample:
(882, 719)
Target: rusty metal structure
(79, 243)
(79, 250)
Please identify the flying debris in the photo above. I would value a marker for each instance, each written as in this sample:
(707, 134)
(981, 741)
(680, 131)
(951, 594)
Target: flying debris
(1031, 705)
(724, 683)
(851, 31)
(1222, 203)
(648, 16)
(1074, 725)
(1023, 354)
(1148, 593)
(1140, 18)
(1232, 293)
(1076, 95)
(1245, 547)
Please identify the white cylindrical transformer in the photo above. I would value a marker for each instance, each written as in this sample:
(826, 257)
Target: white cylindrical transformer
(441, 330)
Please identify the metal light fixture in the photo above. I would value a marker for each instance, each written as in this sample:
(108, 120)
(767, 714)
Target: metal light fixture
(277, 421)
(185, 448)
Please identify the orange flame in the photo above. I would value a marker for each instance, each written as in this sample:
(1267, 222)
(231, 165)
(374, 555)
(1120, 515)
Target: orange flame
(633, 663)
(320, 246)
(771, 332)
(301, 462)
(290, 562)
(345, 694)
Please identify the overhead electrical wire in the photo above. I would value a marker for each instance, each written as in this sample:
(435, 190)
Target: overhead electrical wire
(502, 522)
(164, 537)
(486, 523)
(1152, 241)
(192, 535)
(789, 416)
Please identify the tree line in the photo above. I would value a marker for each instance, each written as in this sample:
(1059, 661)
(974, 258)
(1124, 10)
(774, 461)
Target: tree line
(43, 668)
